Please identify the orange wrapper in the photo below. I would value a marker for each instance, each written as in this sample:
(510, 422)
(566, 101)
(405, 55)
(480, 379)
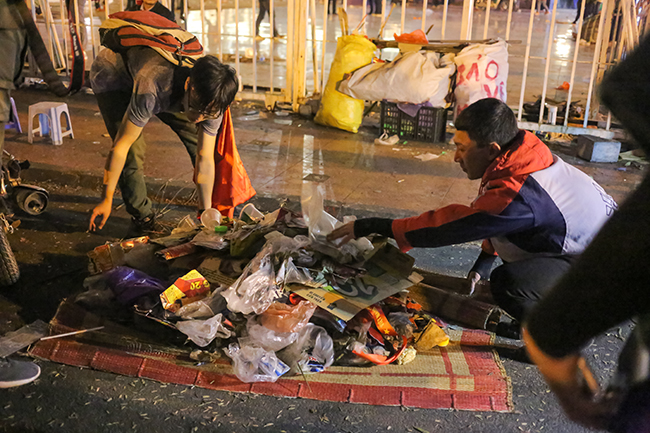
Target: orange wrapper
(189, 285)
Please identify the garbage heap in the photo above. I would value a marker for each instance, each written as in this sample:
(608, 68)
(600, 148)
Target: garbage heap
(270, 292)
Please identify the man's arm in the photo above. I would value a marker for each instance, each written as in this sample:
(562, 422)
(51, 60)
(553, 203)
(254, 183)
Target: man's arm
(125, 138)
(204, 171)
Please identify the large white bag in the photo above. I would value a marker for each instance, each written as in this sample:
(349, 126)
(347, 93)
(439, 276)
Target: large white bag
(482, 73)
(414, 77)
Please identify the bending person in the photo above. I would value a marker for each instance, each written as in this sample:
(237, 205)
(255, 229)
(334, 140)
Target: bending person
(534, 210)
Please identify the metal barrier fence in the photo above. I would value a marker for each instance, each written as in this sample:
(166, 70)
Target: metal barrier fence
(543, 52)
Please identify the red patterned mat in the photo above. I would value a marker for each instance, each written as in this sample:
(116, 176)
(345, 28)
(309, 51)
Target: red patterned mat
(466, 375)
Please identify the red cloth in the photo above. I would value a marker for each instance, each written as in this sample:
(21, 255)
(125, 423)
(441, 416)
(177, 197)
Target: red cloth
(232, 186)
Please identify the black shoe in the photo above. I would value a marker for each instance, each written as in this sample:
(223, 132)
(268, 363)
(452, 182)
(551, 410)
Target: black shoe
(147, 226)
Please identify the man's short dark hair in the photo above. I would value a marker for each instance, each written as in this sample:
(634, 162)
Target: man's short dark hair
(488, 120)
(214, 85)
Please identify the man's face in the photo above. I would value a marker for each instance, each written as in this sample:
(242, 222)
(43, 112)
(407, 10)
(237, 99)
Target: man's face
(148, 4)
(473, 160)
(194, 115)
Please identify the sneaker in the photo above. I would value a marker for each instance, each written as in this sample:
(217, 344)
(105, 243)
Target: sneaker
(147, 226)
(510, 330)
(385, 140)
(16, 373)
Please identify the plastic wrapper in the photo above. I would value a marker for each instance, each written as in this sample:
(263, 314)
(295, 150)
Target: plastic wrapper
(207, 307)
(281, 317)
(255, 289)
(339, 110)
(130, 284)
(267, 338)
(106, 257)
(190, 285)
(186, 224)
(178, 251)
(290, 274)
(312, 352)
(211, 240)
(402, 324)
(254, 364)
(202, 332)
(319, 222)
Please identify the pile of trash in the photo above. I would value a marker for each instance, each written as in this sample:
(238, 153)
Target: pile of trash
(269, 291)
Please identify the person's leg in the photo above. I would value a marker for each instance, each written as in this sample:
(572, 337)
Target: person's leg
(260, 16)
(113, 105)
(516, 287)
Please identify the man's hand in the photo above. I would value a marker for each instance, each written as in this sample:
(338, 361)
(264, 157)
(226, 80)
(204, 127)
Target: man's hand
(104, 210)
(343, 234)
(582, 407)
(473, 278)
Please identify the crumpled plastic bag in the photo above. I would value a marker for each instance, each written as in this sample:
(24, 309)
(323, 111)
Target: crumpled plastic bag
(281, 317)
(319, 222)
(290, 274)
(255, 289)
(202, 332)
(336, 109)
(254, 364)
(267, 338)
(312, 352)
(130, 284)
(203, 309)
(415, 77)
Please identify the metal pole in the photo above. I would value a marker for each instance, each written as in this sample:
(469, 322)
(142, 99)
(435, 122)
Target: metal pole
(548, 61)
(509, 23)
(91, 6)
(403, 16)
(219, 30)
(445, 10)
(252, 28)
(594, 63)
(323, 45)
(272, 42)
(64, 33)
(106, 13)
(575, 63)
(290, 51)
(487, 18)
(314, 54)
(424, 14)
(202, 4)
(467, 18)
(237, 41)
(526, 60)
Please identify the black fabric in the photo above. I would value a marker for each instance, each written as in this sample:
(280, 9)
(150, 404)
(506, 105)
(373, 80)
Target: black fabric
(367, 226)
(157, 9)
(518, 286)
(483, 264)
(609, 283)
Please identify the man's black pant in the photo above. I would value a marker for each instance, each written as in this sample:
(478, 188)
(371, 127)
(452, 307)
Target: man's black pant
(517, 286)
(265, 8)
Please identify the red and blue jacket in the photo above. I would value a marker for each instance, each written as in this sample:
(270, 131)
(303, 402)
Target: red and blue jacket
(530, 203)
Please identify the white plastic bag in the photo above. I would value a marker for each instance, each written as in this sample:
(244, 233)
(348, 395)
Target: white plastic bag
(414, 77)
(482, 73)
(319, 222)
(202, 332)
(312, 352)
(254, 364)
(268, 338)
(255, 289)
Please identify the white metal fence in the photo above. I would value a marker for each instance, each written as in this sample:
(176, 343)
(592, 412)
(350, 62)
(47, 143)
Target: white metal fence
(544, 52)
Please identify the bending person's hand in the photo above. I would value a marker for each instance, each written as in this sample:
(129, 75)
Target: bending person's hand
(102, 210)
(473, 278)
(342, 235)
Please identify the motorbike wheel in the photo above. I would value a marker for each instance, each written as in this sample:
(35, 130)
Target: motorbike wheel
(31, 202)
(9, 272)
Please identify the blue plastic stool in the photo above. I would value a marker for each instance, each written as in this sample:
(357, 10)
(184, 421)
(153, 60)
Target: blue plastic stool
(14, 121)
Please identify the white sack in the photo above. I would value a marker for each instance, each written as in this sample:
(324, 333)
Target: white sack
(414, 77)
(482, 73)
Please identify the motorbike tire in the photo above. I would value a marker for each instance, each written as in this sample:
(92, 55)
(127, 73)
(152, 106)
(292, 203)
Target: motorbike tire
(9, 271)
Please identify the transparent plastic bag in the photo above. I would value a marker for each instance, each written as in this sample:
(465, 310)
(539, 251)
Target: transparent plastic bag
(402, 324)
(205, 308)
(281, 317)
(312, 352)
(202, 332)
(290, 274)
(255, 289)
(254, 364)
(319, 222)
(267, 338)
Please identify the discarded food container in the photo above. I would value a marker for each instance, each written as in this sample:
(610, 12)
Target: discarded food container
(211, 218)
(250, 213)
(221, 229)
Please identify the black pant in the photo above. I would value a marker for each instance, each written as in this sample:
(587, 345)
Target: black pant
(264, 9)
(518, 286)
(331, 6)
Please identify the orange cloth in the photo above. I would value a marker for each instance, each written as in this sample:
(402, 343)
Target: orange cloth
(416, 37)
(232, 186)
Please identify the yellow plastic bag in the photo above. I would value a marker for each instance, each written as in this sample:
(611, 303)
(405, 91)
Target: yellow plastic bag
(336, 109)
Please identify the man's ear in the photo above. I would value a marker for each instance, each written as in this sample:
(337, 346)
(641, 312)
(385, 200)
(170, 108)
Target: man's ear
(494, 149)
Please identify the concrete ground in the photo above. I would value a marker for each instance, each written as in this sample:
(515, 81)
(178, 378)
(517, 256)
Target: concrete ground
(360, 178)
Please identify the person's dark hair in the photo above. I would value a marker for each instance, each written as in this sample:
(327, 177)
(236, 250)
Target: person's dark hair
(214, 85)
(488, 120)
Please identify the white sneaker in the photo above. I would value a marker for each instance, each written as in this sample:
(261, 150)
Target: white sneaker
(385, 140)
(16, 373)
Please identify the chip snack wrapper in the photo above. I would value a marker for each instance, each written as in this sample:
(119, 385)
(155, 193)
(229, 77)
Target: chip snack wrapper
(190, 285)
